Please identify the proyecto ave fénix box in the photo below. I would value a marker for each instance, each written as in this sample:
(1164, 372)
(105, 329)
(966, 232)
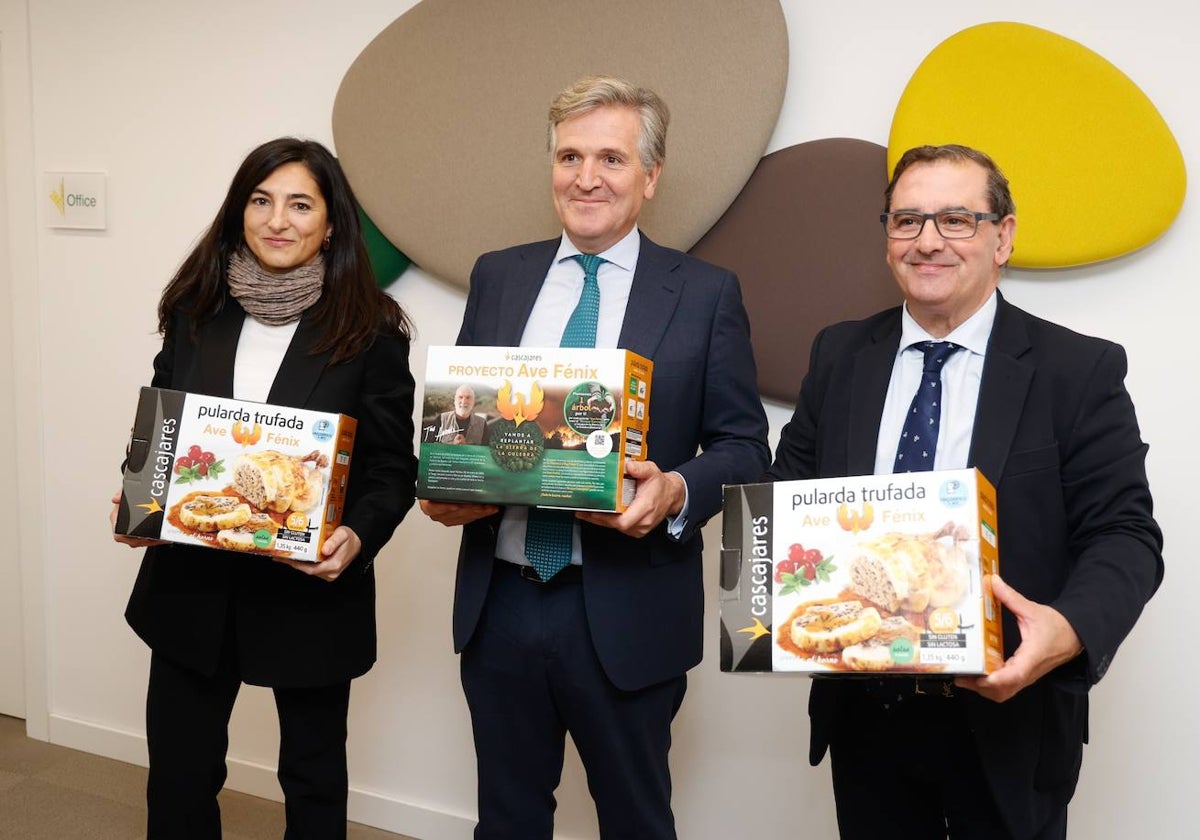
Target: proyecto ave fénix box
(233, 474)
(546, 427)
(867, 574)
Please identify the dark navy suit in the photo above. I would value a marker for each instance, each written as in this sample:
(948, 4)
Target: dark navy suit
(1055, 432)
(641, 599)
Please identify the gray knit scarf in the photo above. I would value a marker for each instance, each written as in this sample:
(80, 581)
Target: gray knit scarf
(274, 299)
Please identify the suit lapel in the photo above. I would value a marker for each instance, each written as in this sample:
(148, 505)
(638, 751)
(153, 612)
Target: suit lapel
(300, 370)
(520, 291)
(217, 343)
(217, 350)
(868, 391)
(652, 299)
(1002, 392)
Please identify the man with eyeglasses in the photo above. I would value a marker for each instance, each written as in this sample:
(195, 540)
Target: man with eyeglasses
(1044, 414)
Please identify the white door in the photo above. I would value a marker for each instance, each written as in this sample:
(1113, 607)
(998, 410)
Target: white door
(12, 664)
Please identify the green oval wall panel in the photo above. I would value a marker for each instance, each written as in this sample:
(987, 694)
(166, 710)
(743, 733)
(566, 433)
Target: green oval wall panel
(388, 261)
(1094, 169)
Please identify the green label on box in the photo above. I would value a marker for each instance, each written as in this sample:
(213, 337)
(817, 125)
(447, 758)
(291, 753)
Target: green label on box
(468, 473)
(589, 408)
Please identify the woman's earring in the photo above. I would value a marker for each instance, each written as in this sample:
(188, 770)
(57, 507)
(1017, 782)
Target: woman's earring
(325, 244)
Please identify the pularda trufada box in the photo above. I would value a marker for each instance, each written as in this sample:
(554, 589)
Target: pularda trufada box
(867, 574)
(236, 475)
(546, 427)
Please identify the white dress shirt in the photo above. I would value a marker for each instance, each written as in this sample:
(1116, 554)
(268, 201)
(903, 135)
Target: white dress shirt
(961, 376)
(564, 284)
(555, 302)
(260, 352)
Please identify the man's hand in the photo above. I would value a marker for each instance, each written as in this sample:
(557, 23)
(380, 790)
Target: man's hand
(455, 513)
(658, 496)
(339, 552)
(1047, 641)
(132, 542)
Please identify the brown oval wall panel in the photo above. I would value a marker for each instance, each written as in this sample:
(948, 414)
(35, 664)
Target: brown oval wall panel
(805, 240)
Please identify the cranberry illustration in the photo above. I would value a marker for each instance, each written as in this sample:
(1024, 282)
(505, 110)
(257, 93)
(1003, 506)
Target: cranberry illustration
(785, 567)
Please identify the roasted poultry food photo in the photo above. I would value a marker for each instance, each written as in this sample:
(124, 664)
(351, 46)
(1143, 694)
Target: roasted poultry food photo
(265, 488)
(894, 581)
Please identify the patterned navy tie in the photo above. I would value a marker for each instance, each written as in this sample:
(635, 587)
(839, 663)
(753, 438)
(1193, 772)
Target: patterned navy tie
(918, 441)
(548, 532)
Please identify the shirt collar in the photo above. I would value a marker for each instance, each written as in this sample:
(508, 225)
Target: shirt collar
(623, 254)
(972, 333)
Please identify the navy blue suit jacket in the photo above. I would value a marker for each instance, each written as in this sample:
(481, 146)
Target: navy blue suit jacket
(1055, 432)
(644, 597)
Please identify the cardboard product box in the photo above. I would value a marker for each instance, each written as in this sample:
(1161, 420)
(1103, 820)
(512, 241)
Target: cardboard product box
(862, 575)
(237, 475)
(547, 427)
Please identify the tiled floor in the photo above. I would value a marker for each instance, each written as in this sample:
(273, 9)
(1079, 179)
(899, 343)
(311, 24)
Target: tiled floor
(54, 793)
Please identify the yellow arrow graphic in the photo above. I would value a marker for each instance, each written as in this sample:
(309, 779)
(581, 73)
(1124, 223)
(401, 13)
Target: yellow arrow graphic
(756, 631)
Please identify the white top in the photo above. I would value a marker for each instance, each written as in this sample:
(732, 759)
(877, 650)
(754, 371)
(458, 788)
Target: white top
(961, 376)
(260, 352)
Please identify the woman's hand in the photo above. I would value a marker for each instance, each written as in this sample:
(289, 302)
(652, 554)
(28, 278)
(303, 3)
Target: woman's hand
(339, 552)
(132, 542)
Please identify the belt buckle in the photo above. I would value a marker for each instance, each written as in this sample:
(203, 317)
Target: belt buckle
(529, 573)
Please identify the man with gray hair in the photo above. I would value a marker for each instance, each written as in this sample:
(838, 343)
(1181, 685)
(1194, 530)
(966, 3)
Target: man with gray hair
(461, 424)
(587, 624)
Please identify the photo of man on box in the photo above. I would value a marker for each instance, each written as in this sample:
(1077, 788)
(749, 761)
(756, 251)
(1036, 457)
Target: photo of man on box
(959, 377)
(460, 425)
(587, 623)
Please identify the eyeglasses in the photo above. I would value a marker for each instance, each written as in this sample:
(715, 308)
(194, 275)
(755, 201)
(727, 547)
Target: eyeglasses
(950, 224)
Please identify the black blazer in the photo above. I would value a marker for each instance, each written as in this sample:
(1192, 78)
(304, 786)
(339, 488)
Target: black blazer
(290, 629)
(644, 598)
(1055, 432)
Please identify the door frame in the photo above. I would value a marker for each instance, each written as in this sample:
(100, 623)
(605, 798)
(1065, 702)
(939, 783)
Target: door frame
(23, 283)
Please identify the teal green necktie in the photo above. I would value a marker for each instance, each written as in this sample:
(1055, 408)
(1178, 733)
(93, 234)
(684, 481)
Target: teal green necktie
(581, 326)
(548, 532)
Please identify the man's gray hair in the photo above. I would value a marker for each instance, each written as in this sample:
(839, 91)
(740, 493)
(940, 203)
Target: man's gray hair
(594, 92)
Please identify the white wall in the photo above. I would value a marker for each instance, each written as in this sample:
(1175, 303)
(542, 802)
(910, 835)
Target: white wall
(168, 97)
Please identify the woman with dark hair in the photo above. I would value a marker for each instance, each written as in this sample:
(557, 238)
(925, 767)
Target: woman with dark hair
(278, 304)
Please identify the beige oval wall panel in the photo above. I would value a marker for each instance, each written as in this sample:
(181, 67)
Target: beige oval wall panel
(1094, 169)
(440, 123)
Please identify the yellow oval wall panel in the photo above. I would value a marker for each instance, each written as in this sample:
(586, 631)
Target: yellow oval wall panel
(1094, 169)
